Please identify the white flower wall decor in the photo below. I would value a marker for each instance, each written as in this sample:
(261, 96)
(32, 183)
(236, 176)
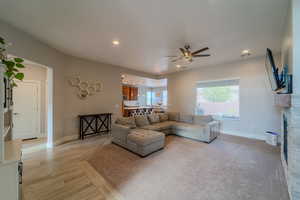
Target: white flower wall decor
(85, 88)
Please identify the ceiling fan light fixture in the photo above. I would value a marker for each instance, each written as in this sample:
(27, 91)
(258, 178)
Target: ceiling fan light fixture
(245, 53)
(187, 55)
(115, 42)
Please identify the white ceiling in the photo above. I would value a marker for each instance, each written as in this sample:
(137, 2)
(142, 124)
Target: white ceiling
(149, 30)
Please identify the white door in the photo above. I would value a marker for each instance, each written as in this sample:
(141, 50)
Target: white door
(26, 110)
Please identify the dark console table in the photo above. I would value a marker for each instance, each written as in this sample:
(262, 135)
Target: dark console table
(94, 124)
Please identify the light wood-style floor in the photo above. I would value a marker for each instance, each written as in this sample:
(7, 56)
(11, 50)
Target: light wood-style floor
(63, 173)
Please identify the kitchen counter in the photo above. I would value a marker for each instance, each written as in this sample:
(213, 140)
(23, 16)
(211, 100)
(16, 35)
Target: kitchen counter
(136, 110)
(137, 107)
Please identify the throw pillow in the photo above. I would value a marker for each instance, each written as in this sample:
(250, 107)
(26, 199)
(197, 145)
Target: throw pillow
(153, 118)
(126, 121)
(163, 117)
(141, 120)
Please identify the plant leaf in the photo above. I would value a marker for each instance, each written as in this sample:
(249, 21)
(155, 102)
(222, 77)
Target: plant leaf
(18, 60)
(19, 65)
(2, 40)
(8, 74)
(19, 76)
(15, 70)
(9, 64)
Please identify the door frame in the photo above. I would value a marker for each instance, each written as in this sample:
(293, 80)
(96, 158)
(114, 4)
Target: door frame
(38, 83)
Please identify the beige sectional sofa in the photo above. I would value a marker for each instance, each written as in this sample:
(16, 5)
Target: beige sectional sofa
(146, 134)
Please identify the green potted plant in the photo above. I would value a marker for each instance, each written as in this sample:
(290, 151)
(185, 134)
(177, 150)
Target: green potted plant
(11, 65)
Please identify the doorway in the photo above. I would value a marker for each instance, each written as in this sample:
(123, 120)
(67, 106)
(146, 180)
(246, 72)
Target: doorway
(27, 110)
(143, 95)
(32, 109)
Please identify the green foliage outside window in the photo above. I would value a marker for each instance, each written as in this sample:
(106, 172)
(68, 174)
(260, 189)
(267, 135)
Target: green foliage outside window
(217, 94)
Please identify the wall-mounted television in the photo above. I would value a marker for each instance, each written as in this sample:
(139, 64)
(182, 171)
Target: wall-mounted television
(277, 81)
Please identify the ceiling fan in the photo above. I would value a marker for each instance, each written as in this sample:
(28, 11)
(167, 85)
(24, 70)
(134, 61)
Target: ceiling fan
(188, 55)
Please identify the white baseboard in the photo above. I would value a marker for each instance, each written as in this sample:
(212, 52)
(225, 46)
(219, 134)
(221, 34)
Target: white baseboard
(44, 145)
(65, 139)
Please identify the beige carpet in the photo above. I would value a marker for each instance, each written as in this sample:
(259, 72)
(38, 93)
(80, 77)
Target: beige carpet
(230, 168)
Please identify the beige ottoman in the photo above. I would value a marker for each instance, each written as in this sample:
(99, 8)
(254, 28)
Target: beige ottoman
(144, 142)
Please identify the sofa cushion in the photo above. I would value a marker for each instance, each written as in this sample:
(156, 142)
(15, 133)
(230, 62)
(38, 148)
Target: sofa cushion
(126, 121)
(153, 118)
(163, 117)
(166, 125)
(173, 116)
(188, 127)
(202, 119)
(159, 126)
(141, 120)
(186, 118)
(145, 137)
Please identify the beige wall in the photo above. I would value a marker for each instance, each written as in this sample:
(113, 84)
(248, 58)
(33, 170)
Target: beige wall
(27, 47)
(39, 73)
(109, 100)
(257, 111)
(287, 44)
(66, 106)
(296, 48)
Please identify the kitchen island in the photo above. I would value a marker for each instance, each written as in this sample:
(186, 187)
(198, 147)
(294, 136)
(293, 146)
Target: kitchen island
(136, 110)
(141, 110)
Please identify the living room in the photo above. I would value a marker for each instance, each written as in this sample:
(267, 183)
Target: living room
(212, 145)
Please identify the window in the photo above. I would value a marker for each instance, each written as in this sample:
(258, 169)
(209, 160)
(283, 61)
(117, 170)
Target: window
(157, 97)
(218, 98)
(165, 98)
(149, 98)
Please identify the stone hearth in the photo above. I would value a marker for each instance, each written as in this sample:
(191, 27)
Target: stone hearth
(292, 167)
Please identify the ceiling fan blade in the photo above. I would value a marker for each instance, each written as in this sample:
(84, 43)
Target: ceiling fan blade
(181, 68)
(175, 60)
(182, 51)
(199, 51)
(171, 56)
(203, 55)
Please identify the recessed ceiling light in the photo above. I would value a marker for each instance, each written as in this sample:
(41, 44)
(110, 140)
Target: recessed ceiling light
(115, 42)
(178, 66)
(246, 52)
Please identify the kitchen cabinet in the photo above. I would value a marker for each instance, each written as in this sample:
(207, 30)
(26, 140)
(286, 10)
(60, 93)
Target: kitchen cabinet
(130, 93)
(134, 93)
(125, 91)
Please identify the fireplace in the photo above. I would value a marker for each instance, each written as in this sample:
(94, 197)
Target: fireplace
(285, 138)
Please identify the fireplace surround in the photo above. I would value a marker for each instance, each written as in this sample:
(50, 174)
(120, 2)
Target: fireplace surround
(290, 146)
(285, 138)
